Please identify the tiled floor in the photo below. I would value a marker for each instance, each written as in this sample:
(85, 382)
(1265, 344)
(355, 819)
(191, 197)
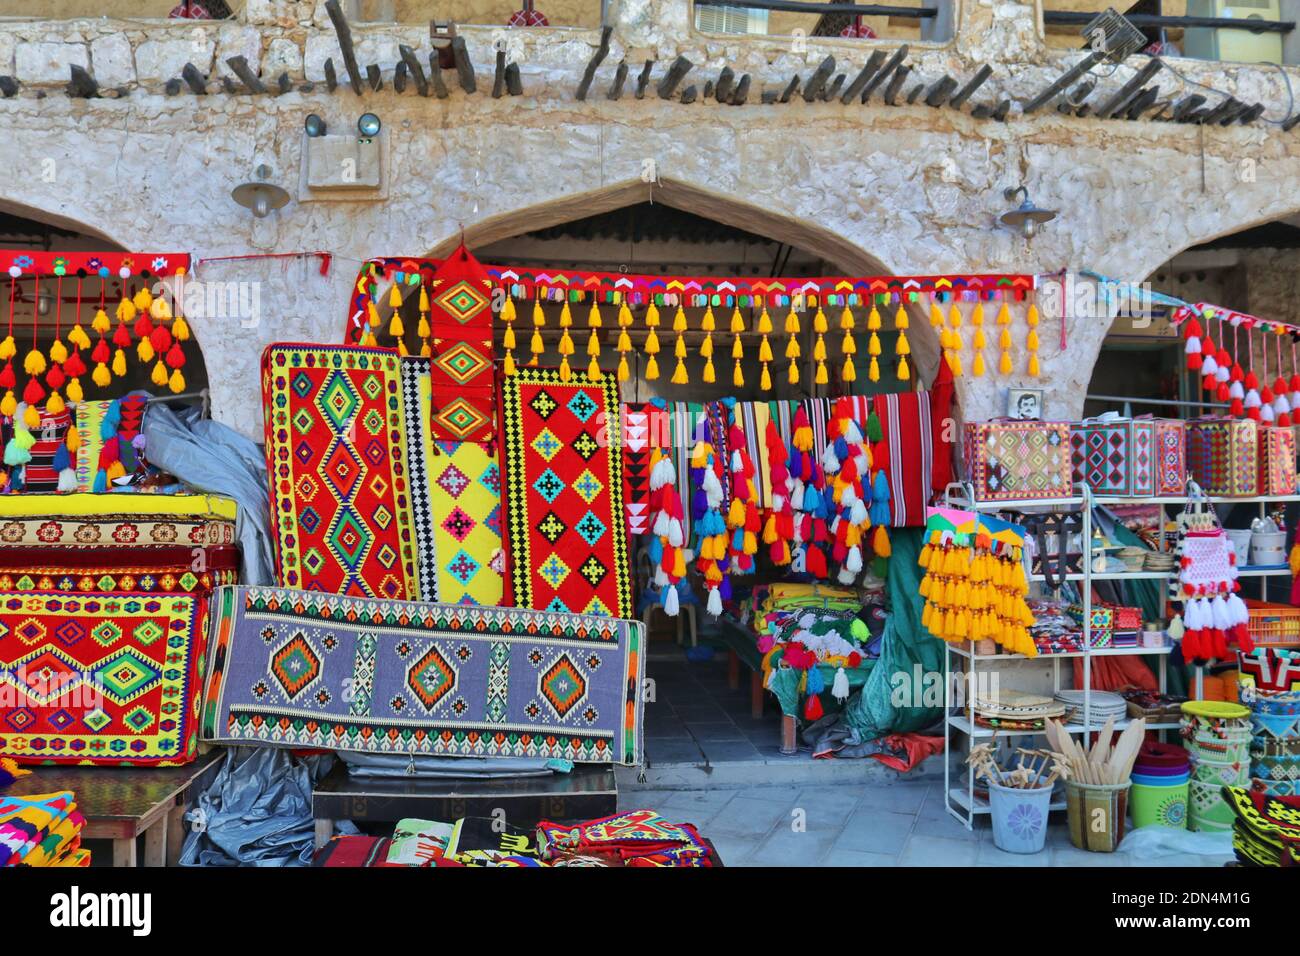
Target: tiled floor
(903, 824)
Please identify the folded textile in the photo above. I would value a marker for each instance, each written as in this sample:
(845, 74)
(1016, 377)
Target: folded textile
(116, 519)
(26, 821)
(305, 669)
(635, 838)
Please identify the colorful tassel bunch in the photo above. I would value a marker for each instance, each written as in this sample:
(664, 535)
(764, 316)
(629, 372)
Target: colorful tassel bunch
(710, 530)
(974, 588)
(778, 530)
(847, 465)
(666, 546)
(810, 505)
(508, 316)
(744, 518)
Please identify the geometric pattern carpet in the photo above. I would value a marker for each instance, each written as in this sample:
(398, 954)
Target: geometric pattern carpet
(305, 669)
(564, 502)
(340, 501)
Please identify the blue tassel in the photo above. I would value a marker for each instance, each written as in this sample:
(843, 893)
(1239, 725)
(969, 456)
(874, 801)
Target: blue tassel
(738, 540)
(112, 418)
(61, 458)
(655, 550)
(812, 499)
(880, 488)
(16, 479)
(100, 484)
(841, 449)
(878, 512)
(816, 683)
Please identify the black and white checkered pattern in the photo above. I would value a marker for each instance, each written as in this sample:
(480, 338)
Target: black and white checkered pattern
(426, 559)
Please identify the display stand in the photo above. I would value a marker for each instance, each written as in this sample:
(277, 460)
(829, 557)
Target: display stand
(962, 801)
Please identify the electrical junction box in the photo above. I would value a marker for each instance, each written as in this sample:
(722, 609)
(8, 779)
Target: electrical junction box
(342, 164)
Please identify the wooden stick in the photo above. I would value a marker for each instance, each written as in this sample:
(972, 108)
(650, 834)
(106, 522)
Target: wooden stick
(514, 81)
(620, 77)
(894, 63)
(464, 66)
(195, 80)
(975, 83)
(681, 66)
(239, 66)
(818, 79)
(345, 44)
(644, 79)
(741, 92)
(415, 69)
(499, 77)
(596, 59)
(859, 81)
(435, 76)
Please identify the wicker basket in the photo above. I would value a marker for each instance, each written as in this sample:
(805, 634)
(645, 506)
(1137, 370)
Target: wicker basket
(1274, 624)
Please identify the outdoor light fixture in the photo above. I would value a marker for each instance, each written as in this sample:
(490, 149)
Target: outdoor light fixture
(314, 125)
(44, 302)
(1026, 217)
(260, 196)
(368, 125)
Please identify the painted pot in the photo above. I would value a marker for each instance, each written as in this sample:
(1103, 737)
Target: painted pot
(1019, 817)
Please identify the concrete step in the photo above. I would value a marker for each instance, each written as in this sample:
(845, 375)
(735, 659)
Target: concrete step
(800, 770)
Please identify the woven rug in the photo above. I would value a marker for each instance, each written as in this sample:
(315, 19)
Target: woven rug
(564, 505)
(100, 679)
(335, 434)
(103, 571)
(456, 503)
(116, 519)
(460, 315)
(303, 669)
(26, 821)
(90, 423)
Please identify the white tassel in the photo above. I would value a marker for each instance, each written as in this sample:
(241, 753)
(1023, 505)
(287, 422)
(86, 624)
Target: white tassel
(712, 488)
(860, 460)
(675, 534)
(660, 578)
(1266, 413)
(1176, 628)
(796, 497)
(830, 463)
(840, 686)
(1209, 366)
(848, 496)
(714, 606)
(846, 576)
(662, 522)
(736, 464)
(1282, 405)
(68, 480)
(853, 434)
(1238, 613)
(1252, 399)
(778, 502)
(853, 560)
(1222, 375)
(1219, 613)
(857, 512)
(671, 603)
(1295, 399)
(1236, 391)
(1193, 346)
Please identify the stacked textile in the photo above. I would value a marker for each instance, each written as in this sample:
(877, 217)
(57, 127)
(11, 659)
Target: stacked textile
(41, 830)
(636, 838)
(1269, 690)
(1054, 630)
(1265, 829)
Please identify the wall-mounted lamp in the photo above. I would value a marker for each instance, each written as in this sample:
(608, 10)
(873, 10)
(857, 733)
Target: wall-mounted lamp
(1026, 217)
(368, 125)
(44, 303)
(260, 196)
(313, 125)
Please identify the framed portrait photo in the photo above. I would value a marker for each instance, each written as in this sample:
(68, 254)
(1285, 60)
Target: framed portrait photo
(1025, 404)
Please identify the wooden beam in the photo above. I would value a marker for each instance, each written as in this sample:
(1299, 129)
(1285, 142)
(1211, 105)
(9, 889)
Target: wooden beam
(596, 59)
(895, 84)
(399, 77)
(196, 81)
(833, 90)
(939, 91)
(681, 66)
(741, 93)
(344, 33)
(893, 64)
(864, 74)
(818, 79)
(790, 89)
(435, 75)
(1143, 101)
(959, 99)
(1121, 98)
(514, 82)
(620, 77)
(722, 89)
(499, 77)
(769, 97)
(464, 66)
(81, 84)
(415, 69)
(331, 78)
(239, 66)
(643, 79)
(688, 94)
(1064, 80)
(1185, 106)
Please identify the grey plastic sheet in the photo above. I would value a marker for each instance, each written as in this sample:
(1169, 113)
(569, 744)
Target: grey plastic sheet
(213, 458)
(474, 768)
(256, 812)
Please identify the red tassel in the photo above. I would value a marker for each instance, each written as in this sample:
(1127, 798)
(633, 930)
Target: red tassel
(122, 336)
(75, 365)
(101, 354)
(1284, 420)
(1237, 409)
(813, 709)
(1253, 414)
(33, 393)
(1221, 393)
(7, 379)
(815, 561)
(175, 357)
(55, 378)
(160, 339)
(143, 325)
(1251, 380)
(1191, 328)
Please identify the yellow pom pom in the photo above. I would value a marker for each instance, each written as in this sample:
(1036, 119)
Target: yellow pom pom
(793, 375)
(100, 376)
(395, 297)
(119, 363)
(850, 373)
(593, 344)
(764, 322)
(159, 375)
(180, 330)
(1033, 365)
(78, 337)
(395, 326)
(34, 362)
(99, 323)
(900, 318)
(58, 352)
(902, 346)
(8, 404)
(32, 416)
(73, 439)
(539, 314)
(679, 374)
(738, 377)
(508, 365)
(904, 373)
(593, 316)
(566, 373)
(652, 316)
(55, 404)
(144, 350)
(737, 322)
(710, 375)
(765, 381)
(143, 299)
(980, 341)
(75, 394)
(954, 363)
(593, 369)
(651, 369)
(765, 350)
(954, 316)
(624, 373)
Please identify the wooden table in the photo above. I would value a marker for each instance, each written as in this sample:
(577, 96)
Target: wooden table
(121, 803)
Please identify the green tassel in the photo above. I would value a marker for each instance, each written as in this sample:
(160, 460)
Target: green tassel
(874, 431)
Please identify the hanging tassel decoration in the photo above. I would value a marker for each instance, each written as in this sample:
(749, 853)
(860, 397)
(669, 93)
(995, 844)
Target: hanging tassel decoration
(1031, 341)
(765, 349)
(954, 339)
(902, 348)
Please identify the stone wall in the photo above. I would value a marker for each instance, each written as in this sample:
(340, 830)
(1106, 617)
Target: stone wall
(870, 189)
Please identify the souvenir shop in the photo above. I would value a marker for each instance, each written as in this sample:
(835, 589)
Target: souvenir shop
(479, 514)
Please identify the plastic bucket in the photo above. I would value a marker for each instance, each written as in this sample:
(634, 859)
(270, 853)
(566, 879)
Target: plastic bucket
(1155, 781)
(1019, 817)
(1160, 770)
(1206, 808)
(1095, 814)
(1161, 806)
(1240, 538)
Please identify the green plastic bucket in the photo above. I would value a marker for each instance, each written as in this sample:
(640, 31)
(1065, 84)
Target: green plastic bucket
(1160, 806)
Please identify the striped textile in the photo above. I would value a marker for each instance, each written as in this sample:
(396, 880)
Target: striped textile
(753, 418)
(908, 459)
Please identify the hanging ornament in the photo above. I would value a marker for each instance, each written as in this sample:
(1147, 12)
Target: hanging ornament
(954, 338)
(652, 343)
(1031, 340)
(425, 331)
(1236, 379)
(902, 348)
(1192, 343)
(593, 355)
(820, 328)
(978, 341)
(792, 350)
(1252, 400)
(624, 340)
(1295, 378)
(707, 325)
(54, 377)
(507, 339)
(8, 381)
(74, 367)
(765, 349)
(1004, 339)
(536, 346)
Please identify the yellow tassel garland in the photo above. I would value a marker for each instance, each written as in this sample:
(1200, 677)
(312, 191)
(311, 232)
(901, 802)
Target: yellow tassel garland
(977, 320)
(710, 375)
(78, 337)
(624, 373)
(1031, 340)
(75, 394)
(737, 322)
(34, 362)
(144, 351)
(764, 322)
(765, 381)
(679, 374)
(395, 297)
(793, 376)
(59, 351)
(99, 323)
(566, 373)
(738, 377)
(566, 316)
(593, 317)
(651, 369)
(119, 363)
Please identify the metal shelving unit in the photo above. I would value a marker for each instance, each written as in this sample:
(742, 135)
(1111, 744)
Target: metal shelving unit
(963, 802)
